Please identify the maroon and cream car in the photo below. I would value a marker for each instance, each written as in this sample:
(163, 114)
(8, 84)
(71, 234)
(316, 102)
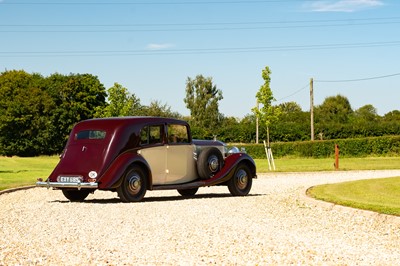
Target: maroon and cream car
(133, 154)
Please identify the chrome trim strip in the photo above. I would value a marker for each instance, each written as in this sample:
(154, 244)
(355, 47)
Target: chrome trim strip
(67, 185)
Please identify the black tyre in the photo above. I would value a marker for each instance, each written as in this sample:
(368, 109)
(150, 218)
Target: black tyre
(210, 161)
(133, 186)
(188, 192)
(241, 181)
(75, 195)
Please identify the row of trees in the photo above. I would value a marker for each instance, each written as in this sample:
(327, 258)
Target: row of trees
(37, 113)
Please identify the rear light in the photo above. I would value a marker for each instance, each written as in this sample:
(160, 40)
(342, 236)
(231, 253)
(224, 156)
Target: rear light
(92, 180)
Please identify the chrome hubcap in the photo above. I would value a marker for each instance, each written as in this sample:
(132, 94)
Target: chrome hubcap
(242, 179)
(134, 184)
(213, 163)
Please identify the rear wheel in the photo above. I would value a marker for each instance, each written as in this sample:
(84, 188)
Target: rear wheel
(241, 181)
(188, 192)
(133, 186)
(75, 195)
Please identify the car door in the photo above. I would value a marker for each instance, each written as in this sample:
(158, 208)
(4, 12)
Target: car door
(181, 166)
(154, 151)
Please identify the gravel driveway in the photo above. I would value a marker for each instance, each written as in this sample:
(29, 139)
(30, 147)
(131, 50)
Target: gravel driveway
(275, 224)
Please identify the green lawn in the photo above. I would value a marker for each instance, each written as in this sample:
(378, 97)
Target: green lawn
(379, 195)
(18, 172)
(327, 164)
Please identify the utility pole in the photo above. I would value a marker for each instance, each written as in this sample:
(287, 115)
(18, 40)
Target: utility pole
(257, 122)
(312, 107)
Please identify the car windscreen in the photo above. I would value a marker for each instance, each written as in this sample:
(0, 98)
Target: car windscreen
(90, 134)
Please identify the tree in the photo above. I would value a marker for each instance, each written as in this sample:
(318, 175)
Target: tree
(156, 108)
(290, 107)
(202, 100)
(267, 114)
(336, 109)
(293, 123)
(120, 103)
(77, 97)
(25, 129)
(366, 113)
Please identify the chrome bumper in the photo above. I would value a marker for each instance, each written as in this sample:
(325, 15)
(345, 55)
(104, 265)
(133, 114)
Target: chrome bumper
(67, 185)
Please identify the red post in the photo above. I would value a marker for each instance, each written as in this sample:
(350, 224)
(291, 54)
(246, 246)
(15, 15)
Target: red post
(336, 157)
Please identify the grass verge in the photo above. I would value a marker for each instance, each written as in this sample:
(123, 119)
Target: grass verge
(379, 195)
(327, 164)
(19, 172)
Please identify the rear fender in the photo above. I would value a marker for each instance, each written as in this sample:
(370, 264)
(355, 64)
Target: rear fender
(112, 177)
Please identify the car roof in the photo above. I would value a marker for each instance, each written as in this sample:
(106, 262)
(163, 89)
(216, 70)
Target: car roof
(113, 122)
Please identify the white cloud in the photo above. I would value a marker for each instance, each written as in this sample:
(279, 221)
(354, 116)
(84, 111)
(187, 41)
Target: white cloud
(343, 5)
(159, 46)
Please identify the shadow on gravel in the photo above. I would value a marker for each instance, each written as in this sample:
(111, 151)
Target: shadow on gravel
(158, 199)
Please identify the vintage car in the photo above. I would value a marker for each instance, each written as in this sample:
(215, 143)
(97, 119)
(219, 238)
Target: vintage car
(131, 155)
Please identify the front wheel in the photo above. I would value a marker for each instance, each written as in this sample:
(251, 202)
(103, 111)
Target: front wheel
(75, 195)
(241, 181)
(133, 186)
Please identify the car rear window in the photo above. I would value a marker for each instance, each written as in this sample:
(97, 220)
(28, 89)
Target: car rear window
(90, 134)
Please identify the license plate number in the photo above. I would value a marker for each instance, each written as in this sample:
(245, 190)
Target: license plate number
(70, 179)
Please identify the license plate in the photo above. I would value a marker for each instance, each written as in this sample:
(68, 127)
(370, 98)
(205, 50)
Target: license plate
(69, 179)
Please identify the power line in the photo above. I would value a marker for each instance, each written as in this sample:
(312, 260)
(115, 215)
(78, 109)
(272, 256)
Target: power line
(360, 79)
(345, 80)
(225, 50)
(151, 3)
(348, 21)
(294, 93)
(209, 26)
(185, 29)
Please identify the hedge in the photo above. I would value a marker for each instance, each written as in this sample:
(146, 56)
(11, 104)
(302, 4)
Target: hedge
(358, 147)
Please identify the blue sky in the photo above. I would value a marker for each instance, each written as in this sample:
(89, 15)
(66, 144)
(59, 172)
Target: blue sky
(349, 47)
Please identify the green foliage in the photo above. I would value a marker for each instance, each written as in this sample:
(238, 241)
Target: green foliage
(202, 98)
(37, 114)
(361, 147)
(267, 114)
(120, 103)
(25, 129)
(334, 109)
(156, 108)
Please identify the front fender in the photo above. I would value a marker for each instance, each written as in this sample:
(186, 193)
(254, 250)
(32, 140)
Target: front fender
(231, 162)
(110, 179)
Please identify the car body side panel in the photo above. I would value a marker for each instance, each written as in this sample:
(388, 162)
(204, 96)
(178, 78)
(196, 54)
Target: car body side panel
(156, 157)
(222, 176)
(181, 165)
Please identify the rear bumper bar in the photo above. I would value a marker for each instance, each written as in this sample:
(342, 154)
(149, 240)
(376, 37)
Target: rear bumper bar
(67, 185)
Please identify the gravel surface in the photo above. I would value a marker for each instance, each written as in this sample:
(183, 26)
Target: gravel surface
(275, 224)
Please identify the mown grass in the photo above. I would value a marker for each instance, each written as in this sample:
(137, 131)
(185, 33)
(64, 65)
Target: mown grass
(18, 172)
(327, 164)
(379, 195)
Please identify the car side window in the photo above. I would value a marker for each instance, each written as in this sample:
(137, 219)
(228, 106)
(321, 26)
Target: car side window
(177, 134)
(151, 135)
